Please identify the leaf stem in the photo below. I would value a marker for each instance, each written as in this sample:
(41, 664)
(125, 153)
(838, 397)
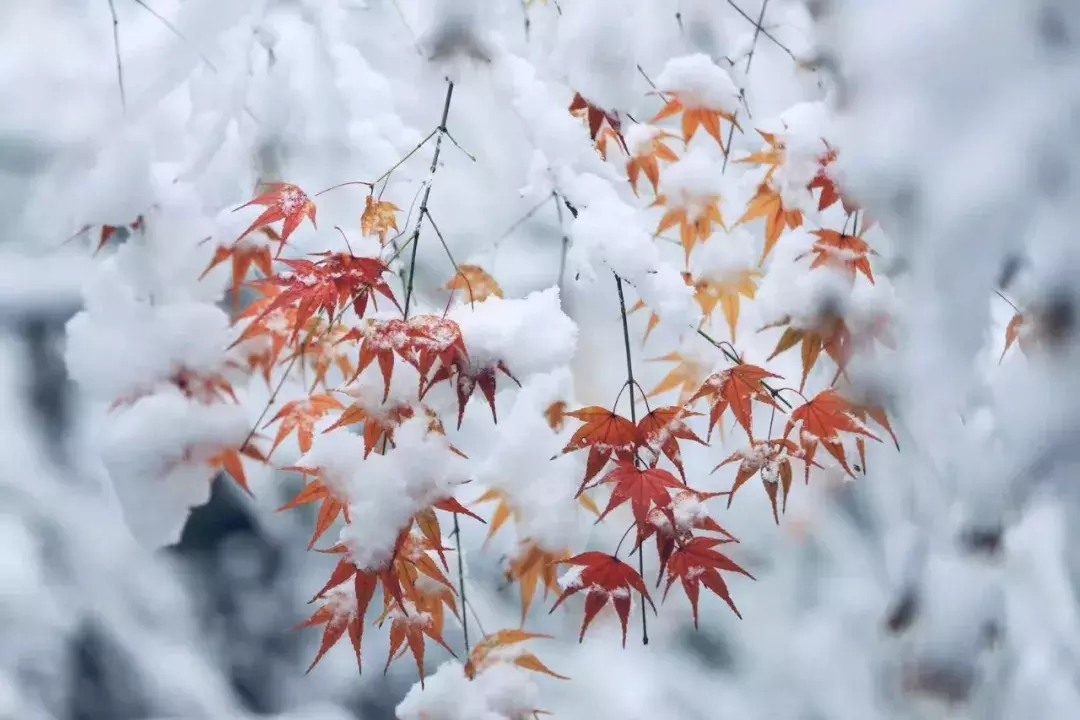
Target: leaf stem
(630, 383)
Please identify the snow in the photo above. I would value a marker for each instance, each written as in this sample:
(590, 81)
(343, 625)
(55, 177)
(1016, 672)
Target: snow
(698, 82)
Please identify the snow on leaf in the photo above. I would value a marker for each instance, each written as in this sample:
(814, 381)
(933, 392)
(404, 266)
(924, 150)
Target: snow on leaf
(604, 578)
(283, 202)
(492, 648)
(604, 433)
(822, 420)
(736, 388)
(378, 218)
(848, 253)
(697, 563)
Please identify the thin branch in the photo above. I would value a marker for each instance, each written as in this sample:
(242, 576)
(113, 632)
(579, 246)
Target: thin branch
(758, 28)
(522, 220)
(746, 72)
(427, 194)
(458, 146)
(738, 361)
(450, 255)
(116, 52)
(565, 245)
(633, 418)
(461, 582)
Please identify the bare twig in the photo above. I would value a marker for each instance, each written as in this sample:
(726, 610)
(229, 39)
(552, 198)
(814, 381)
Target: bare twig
(746, 72)
(461, 582)
(758, 28)
(116, 52)
(633, 418)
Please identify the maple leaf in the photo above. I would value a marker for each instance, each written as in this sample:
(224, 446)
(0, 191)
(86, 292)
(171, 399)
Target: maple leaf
(829, 333)
(675, 525)
(503, 510)
(695, 117)
(283, 202)
(1024, 330)
(772, 156)
(107, 231)
(326, 286)
(333, 503)
(475, 282)
(647, 158)
(602, 124)
(771, 458)
(822, 420)
(735, 388)
(378, 424)
(228, 460)
(694, 218)
(301, 416)
(863, 413)
(726, 294)
(687, 376)
(768, 204)
(468, 378)
(823, 181)
(534, 566)
(378, 218)
(604, 578)
(322, 350)
(604, 433)
(645, 489)
(340, 612)
(556, 415)
(660, 430)
(847, 252)
(484, 655)
(697, 563)
(420, 616)
(243, 256)
(654, 319)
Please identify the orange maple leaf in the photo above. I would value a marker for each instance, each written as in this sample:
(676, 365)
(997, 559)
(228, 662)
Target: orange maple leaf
(687, 376)
(243, 256)
(484, 654)
(771, 458)
(768, 204)
(604, 578)
(726, 294)
(735, 388)
(604, 433)
(228, 460)
(661, 429)
(534, 566)
(822, 420)
(772, 156)
(301, 415)
(333, 503)
(283, 202)
(695, 117)
(694, 218)
(647, 160)
(846, 252)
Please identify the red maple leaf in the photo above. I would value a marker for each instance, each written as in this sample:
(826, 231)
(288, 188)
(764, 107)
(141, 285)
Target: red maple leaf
(604, 578)
(696, 563)
(283, 202)
(771, 458)
(243, 256)
(646, 489)
(660, 431)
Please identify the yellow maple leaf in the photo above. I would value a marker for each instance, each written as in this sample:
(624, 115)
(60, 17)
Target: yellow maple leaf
(727, 294)
(686, 376)
(475, 282)
(379, 218)
(647, 160)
